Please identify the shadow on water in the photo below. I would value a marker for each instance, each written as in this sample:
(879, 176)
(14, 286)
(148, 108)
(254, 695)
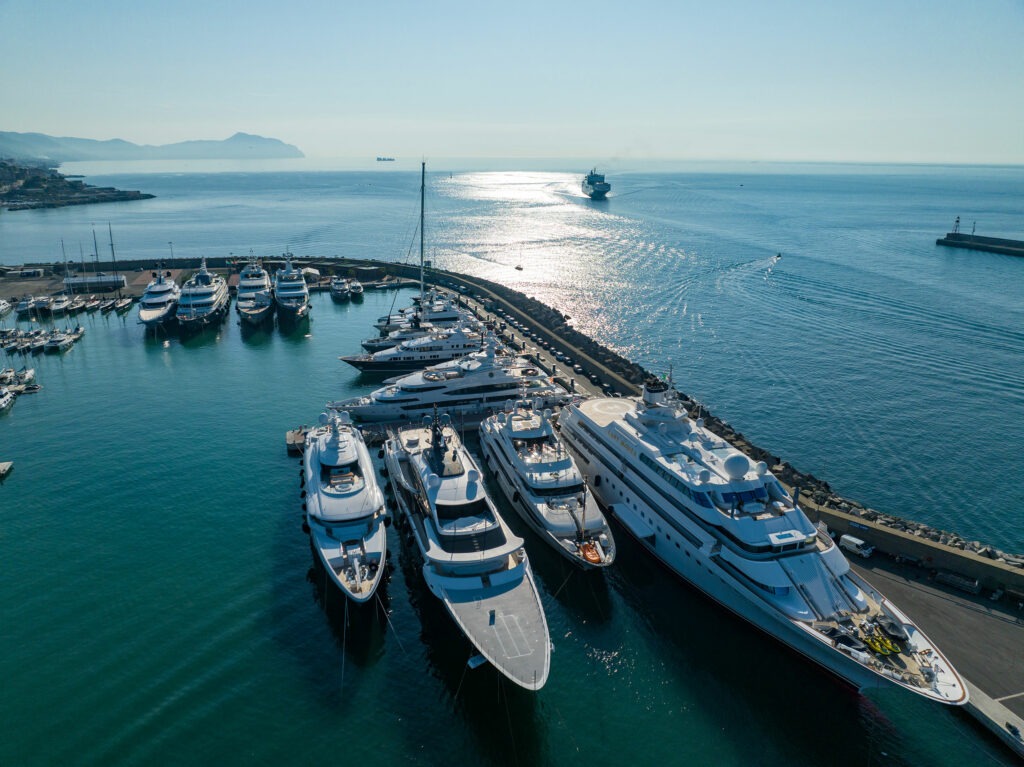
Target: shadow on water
(744, 675)
(359, 629)
(504, 719)
(293, 330)
(257, 335)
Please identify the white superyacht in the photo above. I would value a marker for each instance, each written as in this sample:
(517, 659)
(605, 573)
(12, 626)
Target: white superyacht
(159, 300)
(727, 526)
(472, 561)
(344, 507)
(254, 301)
(418, 352)
(290, 292)
(471, 387)
(541, 481)
(203, 300)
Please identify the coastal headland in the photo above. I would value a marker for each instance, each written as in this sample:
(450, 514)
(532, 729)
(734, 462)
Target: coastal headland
(27, 186)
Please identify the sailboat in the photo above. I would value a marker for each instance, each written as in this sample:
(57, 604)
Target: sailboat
(429, 314)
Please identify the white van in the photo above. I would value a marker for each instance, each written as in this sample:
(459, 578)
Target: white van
(856, 545)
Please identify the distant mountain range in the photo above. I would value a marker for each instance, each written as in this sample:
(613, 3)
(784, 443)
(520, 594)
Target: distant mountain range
(241, 146)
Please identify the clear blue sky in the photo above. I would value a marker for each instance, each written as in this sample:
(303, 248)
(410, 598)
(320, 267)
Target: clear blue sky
(918, 81)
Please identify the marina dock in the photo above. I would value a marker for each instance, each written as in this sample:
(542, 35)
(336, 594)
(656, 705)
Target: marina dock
(982, 636)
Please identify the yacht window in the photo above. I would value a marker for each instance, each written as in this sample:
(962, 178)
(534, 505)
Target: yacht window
(450, 511)
(336, 476)
(548, 492)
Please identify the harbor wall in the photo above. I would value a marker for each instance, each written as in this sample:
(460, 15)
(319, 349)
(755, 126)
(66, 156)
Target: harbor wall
(987, 244)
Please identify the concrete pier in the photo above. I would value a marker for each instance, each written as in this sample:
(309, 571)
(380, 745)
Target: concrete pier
(987, 244)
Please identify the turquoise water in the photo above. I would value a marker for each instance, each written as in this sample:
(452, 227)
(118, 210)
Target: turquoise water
(160, 602)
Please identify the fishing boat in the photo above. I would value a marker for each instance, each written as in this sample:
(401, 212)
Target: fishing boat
(344, 507)
(542, 483)
(472, 561)
(203, 300)
(726, 525)
(254, 301)
(290, 292)
(159, 300)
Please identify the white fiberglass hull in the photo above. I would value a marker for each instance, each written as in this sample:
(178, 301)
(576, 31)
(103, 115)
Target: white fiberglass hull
(698, 566)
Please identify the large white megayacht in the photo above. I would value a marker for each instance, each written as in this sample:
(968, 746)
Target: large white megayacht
(254, 301)
(417, 353)
(159, 300)
(471, 387)
(290, 292)
(541, 481)
(344, 506)
(472, 561)
(727, 526)
(203, 300)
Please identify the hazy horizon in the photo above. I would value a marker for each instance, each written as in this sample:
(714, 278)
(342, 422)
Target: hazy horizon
(914, 83)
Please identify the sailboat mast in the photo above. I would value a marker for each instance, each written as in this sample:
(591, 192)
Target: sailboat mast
(110, 233)
(95, 250)
(423, 185)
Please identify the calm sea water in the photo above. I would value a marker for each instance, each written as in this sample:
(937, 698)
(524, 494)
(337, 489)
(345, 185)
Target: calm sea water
(160, 602)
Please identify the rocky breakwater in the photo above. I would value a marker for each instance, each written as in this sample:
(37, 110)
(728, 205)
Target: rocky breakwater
(952, 559)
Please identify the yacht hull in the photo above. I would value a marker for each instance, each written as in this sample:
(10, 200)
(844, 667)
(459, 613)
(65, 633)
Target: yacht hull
(505, 476)
(694, 561)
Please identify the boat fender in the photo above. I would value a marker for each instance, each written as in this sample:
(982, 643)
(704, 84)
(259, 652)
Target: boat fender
(516, 497)
(384, 471)
(303, 506)
(387, 521)
(305, 527)
(302, 494)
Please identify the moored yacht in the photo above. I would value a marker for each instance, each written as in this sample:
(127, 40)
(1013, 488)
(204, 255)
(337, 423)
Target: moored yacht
(203, 299)
(290, 292)
(25, 306)
(355, 289)
(471, 387)
(344, 507)
(472, 561)
(60, 305)
(254, 301)
(5, 307)
(417, 353)
(6, 398)
(159, 300)
(541, 481)
(727, 526)
(340, 290)
(437, 309)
